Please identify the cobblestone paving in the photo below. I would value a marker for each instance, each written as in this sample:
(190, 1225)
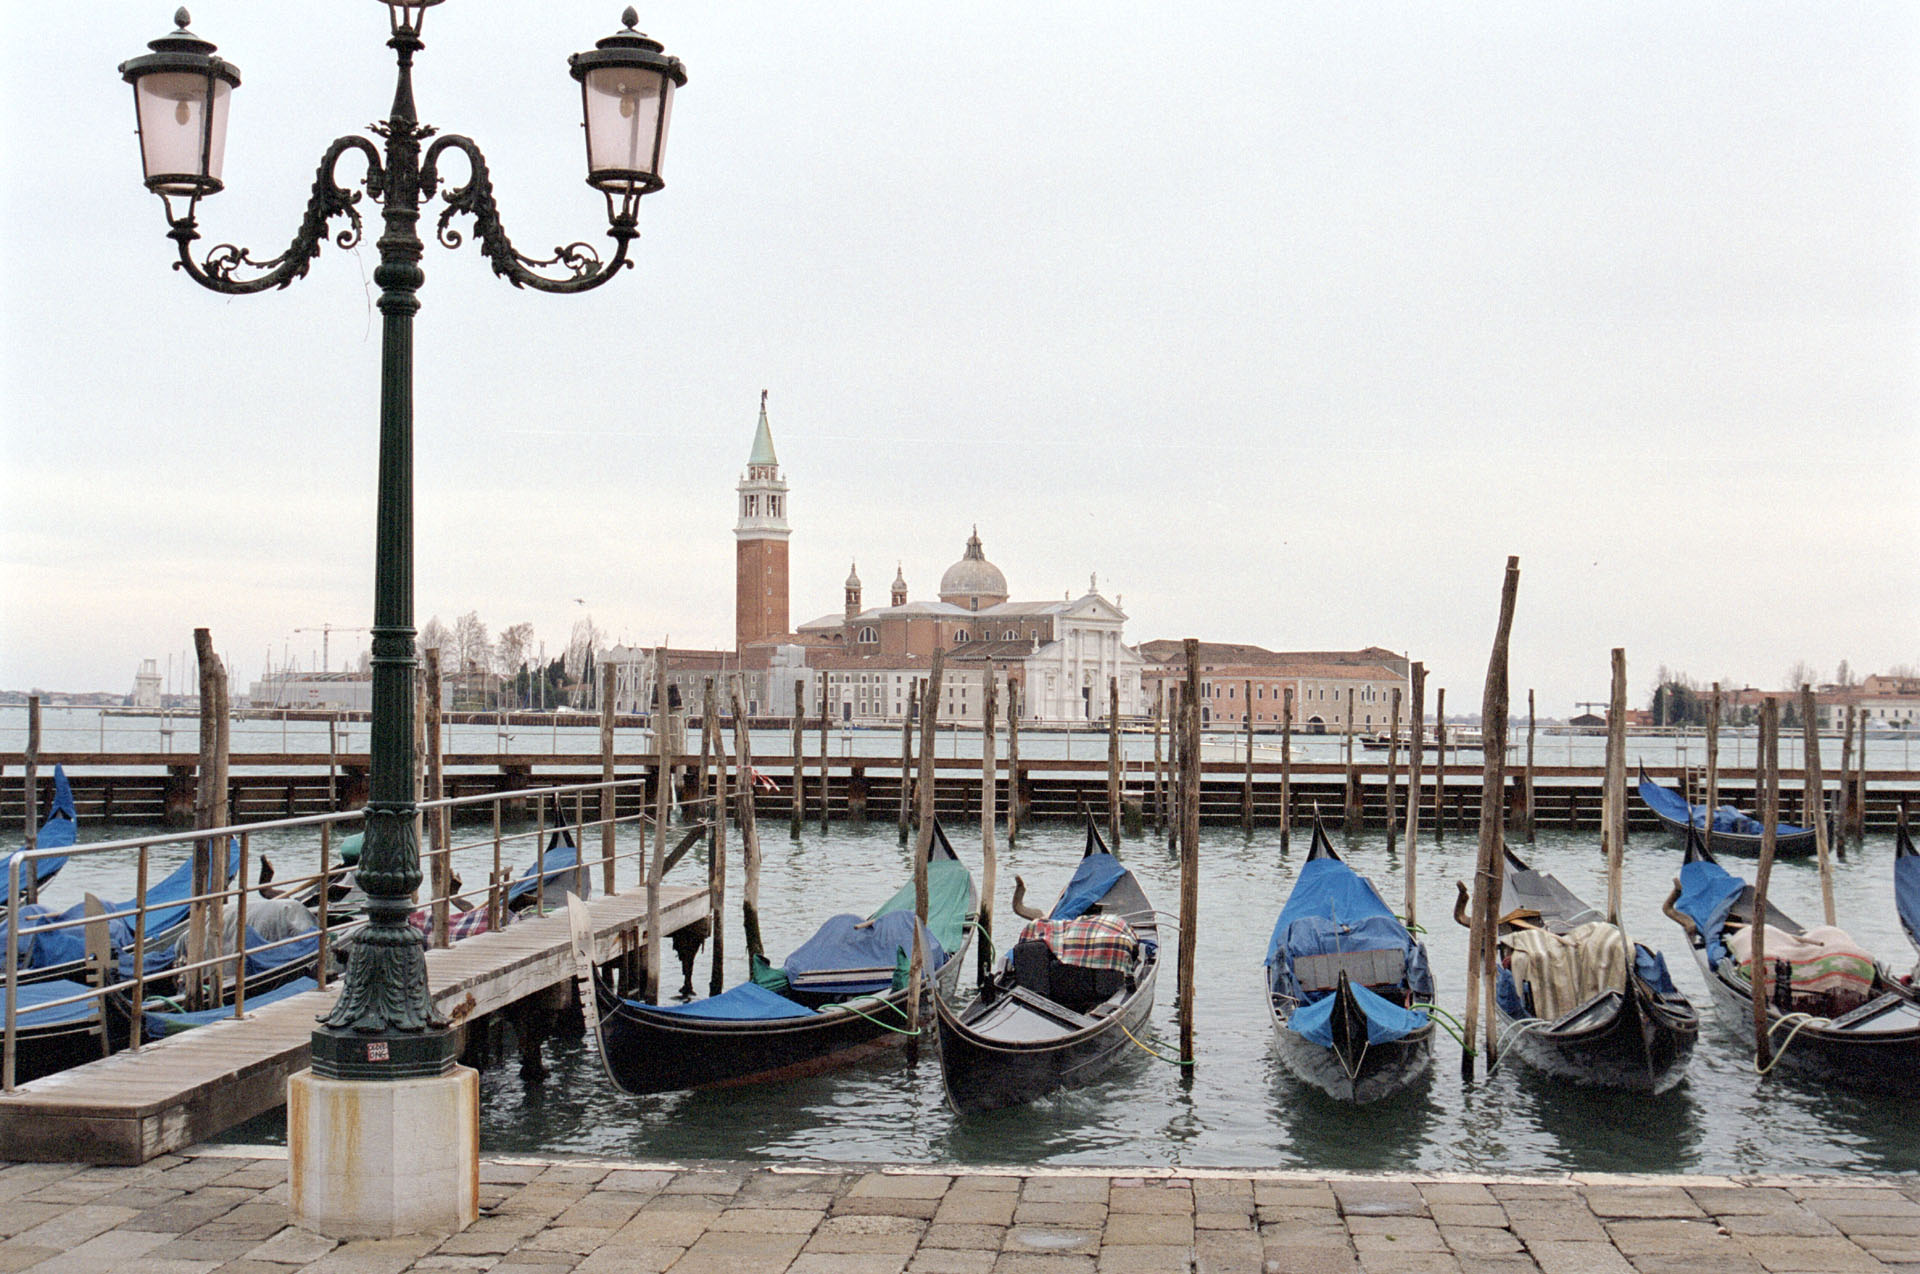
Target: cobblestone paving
(222, 1210)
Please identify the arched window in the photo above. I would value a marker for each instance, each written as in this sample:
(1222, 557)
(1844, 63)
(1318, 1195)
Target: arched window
(960, 638)
(868, 634)
(1013, 634)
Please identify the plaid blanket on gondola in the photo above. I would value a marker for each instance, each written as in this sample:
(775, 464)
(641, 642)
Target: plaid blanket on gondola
(1089, 942)
(460, 924)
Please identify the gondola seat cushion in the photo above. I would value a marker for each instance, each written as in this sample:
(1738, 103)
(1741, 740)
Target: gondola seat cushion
(1087, 942)
(1830, 972)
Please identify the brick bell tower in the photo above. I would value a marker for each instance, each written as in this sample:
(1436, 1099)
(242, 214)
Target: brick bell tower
(760, 534)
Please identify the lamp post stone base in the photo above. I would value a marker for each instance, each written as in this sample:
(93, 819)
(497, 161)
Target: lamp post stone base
(374, 1160)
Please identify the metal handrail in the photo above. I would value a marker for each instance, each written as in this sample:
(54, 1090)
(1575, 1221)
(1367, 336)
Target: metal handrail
(330, 871)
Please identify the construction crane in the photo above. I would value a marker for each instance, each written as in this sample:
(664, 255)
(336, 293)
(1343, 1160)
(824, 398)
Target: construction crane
(326, 631)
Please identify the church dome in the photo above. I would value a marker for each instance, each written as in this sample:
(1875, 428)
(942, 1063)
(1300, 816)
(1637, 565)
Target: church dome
(973, 581)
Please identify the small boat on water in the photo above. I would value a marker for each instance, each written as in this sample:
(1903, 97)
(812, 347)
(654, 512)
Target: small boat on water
(1465, 741)
(841, 994)
(1835, 1013)
(57, 831)
(1906, 884)
(1732, 830)
(1066, 996)
(1345, 980)
(1576, 1003)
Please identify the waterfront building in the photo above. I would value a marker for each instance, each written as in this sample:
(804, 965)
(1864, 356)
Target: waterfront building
(146, 685)
(1238, 680)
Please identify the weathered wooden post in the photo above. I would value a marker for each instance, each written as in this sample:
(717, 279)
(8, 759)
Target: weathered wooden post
(1177, 789)
(826, 725)
(1860, 787)
(717, 843)
(1113, 761)
(1189, 848)
(1843, 806)
(1713, 765)
(1813, 801)
(1286, 768)
(749, 828)
(1160, 776)
(1529, 790)
(439, 873)
(1440, 763)
(608, 802)
(1013, 760)
(1246, 782)
(30, 801)
(989, 807)
(662, 780)
(205, 928)
(1393, 771)
(906, 756)
(1767, 772)
(1414, 757)
(1354, 809)
(922, 846)
(798, 814)
(1613, 837)
(333, 763)
(1483, 938)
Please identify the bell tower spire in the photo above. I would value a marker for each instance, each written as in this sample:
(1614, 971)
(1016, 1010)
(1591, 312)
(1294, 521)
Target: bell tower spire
(760, 533)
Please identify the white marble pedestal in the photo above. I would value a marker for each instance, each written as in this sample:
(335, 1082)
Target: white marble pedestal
(372, 1160)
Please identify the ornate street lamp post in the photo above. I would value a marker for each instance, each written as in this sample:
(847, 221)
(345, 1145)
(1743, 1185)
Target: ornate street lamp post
(383, 1026)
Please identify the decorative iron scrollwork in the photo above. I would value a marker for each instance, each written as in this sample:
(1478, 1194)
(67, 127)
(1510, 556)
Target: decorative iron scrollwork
(585, 269)
(219, 269)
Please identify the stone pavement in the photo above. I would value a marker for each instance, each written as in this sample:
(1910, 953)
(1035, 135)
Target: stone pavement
(224, 1209)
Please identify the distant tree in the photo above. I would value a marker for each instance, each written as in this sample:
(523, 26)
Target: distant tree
(433, 636)
(1801, 673)
(472, 651)
(511, 648)
(1677, 699)
(1843, 675)
(1906, 672)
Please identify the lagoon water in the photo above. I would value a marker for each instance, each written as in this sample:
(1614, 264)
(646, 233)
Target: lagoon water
(1240, 1108)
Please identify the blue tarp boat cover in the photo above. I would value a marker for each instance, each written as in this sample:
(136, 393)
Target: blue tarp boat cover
(1328, 888)
(1666, 801)
(33, 994)
(155, 1024)
(748, 1002)
(1096, 874)
(559, 862)
(1906, 893)
(1651, 968)
(1707, 893)
(57, 831)
(1386, 1021)
(842, 944)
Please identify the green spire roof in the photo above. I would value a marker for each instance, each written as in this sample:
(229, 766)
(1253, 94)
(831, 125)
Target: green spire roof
(763, 439)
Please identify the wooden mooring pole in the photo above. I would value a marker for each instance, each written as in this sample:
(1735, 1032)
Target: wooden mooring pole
(1393, 771)
(989, 808)
(1159, 762)
(1246, 783)
(1860, 786)
(1440, 763)
(1613, 835)
(1767, 772)
(1813, 800)
(1529, 787)
(717, 843)
(1483, 950)
(1286, 768)
(826, 726)
(1713, 765)
(1351, 813)
(1189, 849)
(1843, 807)
(1113, 762)
(1417, 739)
(749, 828)
(906, 757)
(922, 846)
(608, 828)
(798, 814)
(1013, 761)
(30, 800)
(205, 924)
(662, 782)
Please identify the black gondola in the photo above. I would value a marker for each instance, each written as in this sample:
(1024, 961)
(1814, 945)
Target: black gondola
(1906, 883)
(1042, 1022)
(1732, 830)
(799, 1020)
(1343, 978)
(1873, 1045)
(1638, 1037)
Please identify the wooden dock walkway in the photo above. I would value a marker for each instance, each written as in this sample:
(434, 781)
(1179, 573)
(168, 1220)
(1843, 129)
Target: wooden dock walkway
(131, 1107)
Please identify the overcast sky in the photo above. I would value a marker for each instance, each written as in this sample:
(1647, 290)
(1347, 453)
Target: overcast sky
(1291, 321)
